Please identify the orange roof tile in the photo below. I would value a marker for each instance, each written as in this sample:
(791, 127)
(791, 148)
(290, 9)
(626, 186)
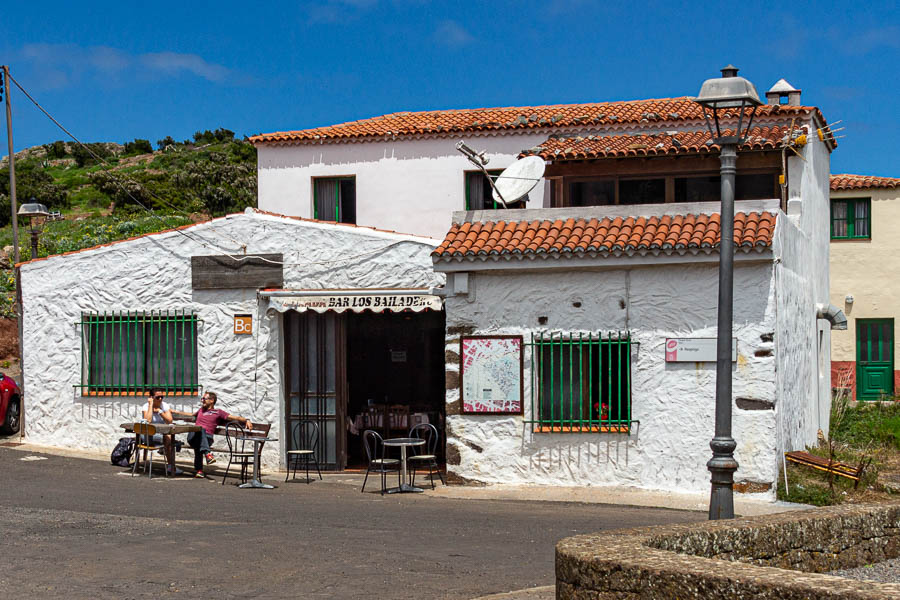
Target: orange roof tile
(847, 181)
(618, 234)
(587, 147)
(664, 110)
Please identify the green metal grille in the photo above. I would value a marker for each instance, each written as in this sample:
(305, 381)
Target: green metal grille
(129, 352)
(581, 382)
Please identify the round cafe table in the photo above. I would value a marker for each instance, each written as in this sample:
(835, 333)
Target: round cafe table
(257, 442)
(403, 444)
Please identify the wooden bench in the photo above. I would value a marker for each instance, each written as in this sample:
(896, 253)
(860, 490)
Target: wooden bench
(259, 430)
(829, 466)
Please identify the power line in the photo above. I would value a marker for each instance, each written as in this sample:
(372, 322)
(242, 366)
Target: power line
(115, 178)
(191, 236)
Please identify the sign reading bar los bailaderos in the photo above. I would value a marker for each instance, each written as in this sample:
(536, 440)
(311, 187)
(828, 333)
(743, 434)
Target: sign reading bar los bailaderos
(241, 271)
(358, 303)
(695, 349)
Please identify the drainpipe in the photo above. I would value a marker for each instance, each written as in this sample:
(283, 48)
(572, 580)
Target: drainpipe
(833, 315)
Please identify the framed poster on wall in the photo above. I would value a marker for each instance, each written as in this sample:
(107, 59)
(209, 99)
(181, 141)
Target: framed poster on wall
(490, 374)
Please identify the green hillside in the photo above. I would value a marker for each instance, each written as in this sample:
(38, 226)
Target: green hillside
(110, 191)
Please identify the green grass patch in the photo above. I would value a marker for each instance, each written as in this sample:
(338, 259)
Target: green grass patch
(874, 423)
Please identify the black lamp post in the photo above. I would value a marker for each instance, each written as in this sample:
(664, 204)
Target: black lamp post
(37, 214)
(727, 97)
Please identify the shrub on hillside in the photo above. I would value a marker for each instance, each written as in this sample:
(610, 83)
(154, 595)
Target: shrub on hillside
(211, 137)
(56, 150)
(86, 155)
(31, 182)
(165, 142)
(138, 146)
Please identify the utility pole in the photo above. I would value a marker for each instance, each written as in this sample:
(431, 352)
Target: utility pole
(12, 166)
(15, 232)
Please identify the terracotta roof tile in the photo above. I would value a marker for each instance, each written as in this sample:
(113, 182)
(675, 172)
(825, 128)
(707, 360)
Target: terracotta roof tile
(587, 147)
(847, 181)
(676, 232)
(453, 122)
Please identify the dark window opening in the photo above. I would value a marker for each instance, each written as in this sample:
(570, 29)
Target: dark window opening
(480, 194)
(642, 191)
(601, 192)
(708, 189)
(335, 199)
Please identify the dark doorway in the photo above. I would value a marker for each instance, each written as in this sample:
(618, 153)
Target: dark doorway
(394, 360)
(341, 368)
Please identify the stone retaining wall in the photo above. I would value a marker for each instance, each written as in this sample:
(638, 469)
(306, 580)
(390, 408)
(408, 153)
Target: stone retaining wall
(780, 556)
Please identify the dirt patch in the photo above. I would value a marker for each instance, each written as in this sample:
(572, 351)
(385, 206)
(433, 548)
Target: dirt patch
(9, 339)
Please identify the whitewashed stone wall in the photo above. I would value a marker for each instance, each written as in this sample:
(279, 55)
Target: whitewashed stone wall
(674, 402)
(802, 341)
(154, 273)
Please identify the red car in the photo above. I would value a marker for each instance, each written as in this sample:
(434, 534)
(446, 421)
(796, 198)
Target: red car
(10, 405)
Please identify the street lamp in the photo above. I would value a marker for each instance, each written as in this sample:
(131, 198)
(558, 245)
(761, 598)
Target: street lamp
(727, 97)
(37, 213)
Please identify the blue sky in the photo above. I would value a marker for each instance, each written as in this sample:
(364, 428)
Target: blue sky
(116, 71)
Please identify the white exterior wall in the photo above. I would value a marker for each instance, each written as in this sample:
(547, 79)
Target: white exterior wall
(674, 402)
(803, 342)
(154, 273)
(407, 185)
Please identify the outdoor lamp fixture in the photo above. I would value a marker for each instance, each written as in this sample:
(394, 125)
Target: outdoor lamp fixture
(728, 97)
(37, 213)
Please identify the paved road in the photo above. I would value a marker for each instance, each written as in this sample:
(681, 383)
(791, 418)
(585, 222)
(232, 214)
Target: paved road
(75, 528)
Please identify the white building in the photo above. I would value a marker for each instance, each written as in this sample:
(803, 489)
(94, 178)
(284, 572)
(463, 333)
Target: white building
(625, 171)
(171, 309)
(612, 258)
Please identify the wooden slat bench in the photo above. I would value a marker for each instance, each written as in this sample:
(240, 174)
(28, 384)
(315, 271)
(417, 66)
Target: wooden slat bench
(259, 430)
(829, 466)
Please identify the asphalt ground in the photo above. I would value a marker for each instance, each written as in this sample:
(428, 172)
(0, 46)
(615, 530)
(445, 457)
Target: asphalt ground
(77, 528)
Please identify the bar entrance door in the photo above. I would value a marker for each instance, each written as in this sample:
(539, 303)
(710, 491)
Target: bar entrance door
(315, 377)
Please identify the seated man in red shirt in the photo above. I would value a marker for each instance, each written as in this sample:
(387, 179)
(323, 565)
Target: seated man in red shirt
(208, 417)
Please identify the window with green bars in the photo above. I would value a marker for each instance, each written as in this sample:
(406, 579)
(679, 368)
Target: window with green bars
(581, 382)
(851, 219)
(127, 352)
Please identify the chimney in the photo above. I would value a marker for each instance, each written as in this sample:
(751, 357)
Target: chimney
(783, 93)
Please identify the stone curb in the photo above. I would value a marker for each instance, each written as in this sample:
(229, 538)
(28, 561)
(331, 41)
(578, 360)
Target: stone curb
(769, 557)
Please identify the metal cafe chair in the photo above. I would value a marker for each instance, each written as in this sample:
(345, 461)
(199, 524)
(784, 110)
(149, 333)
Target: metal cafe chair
(377, 462)
(143, 433)
(237, 451)
(305, 444)
(428, 456)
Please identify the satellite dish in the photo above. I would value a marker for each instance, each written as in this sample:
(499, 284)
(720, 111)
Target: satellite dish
(518, 179)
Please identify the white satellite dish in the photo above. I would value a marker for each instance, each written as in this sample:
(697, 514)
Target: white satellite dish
(515, 181)
(518, 179)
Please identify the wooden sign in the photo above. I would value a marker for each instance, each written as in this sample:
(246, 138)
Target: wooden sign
(225, 272)
(243, 324)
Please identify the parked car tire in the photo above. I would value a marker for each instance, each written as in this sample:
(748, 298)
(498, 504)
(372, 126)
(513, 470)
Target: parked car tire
(13, 417)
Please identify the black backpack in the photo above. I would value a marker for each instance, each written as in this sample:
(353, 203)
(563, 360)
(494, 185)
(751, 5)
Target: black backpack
(121, 454)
